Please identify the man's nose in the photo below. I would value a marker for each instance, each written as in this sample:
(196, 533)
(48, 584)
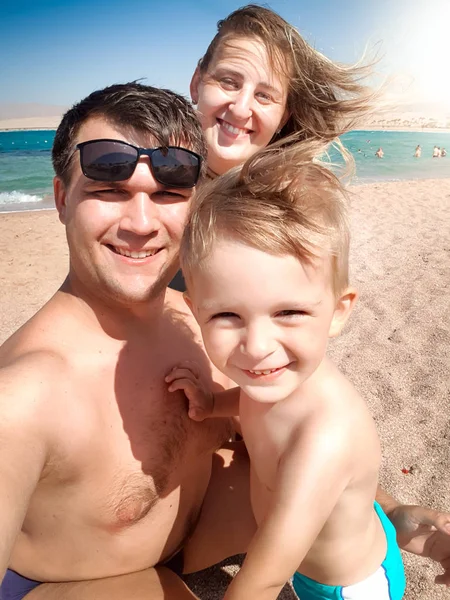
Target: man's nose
(241, 106)
(258, 341)
(141, 214)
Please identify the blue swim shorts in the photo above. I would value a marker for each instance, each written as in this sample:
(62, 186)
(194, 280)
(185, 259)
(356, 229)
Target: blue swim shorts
(15, 586)
(387, 583)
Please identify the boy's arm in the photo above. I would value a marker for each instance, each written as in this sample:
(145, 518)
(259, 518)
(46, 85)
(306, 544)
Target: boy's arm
(226, 403)
(203, 403)
(306, 491)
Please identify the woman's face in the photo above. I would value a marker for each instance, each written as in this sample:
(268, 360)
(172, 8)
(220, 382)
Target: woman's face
(241, 102)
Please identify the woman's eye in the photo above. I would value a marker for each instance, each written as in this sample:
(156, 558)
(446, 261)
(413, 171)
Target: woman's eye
(264, 97)
(229, 84)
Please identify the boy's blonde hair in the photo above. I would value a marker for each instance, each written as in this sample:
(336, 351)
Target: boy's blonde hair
(279, 202)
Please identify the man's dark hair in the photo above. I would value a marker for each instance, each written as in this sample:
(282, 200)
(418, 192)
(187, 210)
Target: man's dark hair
(165, 115)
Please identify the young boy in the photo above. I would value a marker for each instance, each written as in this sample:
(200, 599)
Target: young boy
(265, 257)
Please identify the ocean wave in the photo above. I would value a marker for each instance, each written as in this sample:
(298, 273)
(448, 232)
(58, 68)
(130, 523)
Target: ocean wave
(18, 198)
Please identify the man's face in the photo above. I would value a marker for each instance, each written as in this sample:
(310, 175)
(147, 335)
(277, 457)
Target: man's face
(123, 237)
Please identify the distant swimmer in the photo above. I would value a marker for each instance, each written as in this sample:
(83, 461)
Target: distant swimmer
(418, 151)
(379, 152)
(443, 152)
(436, 152)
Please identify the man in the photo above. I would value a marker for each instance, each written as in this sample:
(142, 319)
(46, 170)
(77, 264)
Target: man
(103, 474)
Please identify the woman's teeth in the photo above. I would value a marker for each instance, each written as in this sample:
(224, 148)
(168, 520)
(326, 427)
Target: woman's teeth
(233, 130)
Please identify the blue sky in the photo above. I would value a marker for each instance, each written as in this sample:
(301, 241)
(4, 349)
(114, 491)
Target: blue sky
(56, 52)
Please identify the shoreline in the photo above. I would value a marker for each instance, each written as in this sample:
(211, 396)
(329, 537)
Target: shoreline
(12, 129)
(405, 129)
(47, 203)
(418, 129)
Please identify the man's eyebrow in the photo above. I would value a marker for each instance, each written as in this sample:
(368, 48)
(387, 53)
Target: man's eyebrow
(109, 184)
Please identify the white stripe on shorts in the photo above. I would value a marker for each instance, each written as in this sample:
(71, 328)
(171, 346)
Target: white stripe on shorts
(376, 586)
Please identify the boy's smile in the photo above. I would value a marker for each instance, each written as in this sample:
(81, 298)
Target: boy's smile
(265, 319)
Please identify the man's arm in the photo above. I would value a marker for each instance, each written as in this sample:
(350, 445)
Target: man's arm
(387, 502)
(23, 455)
(420, 530)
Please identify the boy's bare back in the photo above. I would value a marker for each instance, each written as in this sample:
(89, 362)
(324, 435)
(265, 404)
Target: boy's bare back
(314, 461)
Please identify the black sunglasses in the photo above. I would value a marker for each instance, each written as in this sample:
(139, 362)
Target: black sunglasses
(114, 160)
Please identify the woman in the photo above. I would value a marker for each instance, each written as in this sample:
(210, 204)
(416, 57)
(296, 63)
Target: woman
(260, 83)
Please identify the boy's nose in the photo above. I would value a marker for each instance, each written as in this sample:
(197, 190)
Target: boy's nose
(258, 343)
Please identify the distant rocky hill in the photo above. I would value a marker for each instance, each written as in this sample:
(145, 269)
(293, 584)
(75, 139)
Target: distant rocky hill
(419, 116)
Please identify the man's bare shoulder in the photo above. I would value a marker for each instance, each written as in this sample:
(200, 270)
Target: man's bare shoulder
(30, 386)
(179, 310)
(31, 377)
(33, 368)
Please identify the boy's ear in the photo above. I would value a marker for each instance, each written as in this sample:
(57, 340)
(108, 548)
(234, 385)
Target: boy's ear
(190, 304)
(195, 82)
(344, 306)
(59, 192)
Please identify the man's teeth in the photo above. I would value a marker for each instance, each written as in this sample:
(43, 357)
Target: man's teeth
(231, 129)
(266, 372)
(140, 254)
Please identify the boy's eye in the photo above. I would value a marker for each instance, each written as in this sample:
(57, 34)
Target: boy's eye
(225, 315)
(291, 313)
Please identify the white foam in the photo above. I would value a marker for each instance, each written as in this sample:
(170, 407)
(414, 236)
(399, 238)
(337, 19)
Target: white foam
(18, 198)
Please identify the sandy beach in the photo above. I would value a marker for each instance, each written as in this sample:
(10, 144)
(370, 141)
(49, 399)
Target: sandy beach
(396, 348)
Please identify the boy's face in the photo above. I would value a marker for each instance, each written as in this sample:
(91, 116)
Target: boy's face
(266, 319)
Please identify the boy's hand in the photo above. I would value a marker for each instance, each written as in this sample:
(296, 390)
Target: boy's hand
(186, 377)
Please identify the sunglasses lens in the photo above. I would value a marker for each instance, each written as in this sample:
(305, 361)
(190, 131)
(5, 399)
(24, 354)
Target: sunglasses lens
(108, 160)
(176, 167)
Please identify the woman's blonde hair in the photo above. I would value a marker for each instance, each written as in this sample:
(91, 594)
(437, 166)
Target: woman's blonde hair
(325, 98)
(279, 202)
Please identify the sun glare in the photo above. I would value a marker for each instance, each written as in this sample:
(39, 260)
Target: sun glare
(426, 50)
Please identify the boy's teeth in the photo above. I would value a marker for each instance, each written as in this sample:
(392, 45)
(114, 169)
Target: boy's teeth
(266, 372)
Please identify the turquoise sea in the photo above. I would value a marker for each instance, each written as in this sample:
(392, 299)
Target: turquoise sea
(26, 172)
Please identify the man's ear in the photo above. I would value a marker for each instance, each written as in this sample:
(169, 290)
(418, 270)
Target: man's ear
(344, 307)
(59, 192)
(195, 82)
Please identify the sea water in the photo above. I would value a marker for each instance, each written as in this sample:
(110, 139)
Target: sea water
(26, 171)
